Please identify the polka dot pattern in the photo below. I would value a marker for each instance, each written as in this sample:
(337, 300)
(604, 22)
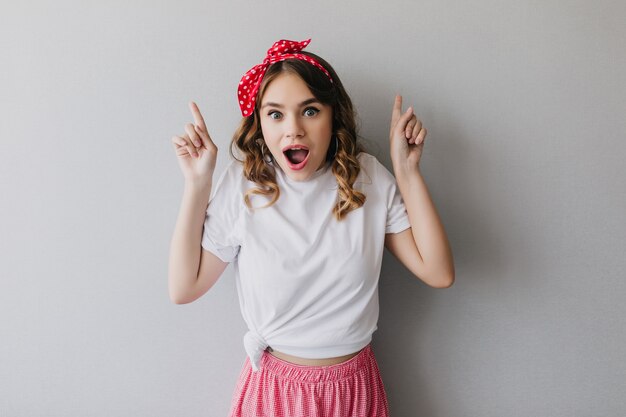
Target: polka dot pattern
(251, 80)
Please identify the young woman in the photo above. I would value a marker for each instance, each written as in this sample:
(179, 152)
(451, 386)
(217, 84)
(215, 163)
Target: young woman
(303, 213)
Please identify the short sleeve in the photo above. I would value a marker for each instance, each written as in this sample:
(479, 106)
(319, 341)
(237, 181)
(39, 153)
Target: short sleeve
(397, 217)
(220, 235)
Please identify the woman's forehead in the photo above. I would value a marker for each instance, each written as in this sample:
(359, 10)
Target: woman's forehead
(287, 88)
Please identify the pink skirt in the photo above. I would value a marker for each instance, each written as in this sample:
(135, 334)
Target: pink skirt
(283, 389)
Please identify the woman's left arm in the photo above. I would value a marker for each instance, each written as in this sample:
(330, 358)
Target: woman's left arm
(424, 248)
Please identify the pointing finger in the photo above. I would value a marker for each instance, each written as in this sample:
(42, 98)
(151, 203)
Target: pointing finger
(397, 110)
(197, 116)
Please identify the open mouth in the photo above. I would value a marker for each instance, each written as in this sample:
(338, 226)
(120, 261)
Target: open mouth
(297, 156)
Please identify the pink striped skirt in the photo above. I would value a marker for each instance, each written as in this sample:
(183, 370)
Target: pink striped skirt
(283, 389)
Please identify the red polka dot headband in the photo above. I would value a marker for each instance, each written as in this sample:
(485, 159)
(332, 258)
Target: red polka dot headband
(251, 80)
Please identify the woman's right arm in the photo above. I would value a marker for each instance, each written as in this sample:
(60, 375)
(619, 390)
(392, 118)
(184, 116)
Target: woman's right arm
(193, 270)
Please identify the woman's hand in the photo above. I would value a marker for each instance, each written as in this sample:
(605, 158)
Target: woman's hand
(195, 150)
(406, 137)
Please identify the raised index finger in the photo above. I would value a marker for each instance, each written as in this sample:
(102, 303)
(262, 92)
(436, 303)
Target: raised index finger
(397, 110)
(197, 116)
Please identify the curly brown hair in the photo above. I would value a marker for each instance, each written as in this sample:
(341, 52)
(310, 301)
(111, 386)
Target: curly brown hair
(248, 137)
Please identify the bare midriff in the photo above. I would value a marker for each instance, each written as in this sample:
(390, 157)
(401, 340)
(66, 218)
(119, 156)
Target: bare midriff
(311, 362)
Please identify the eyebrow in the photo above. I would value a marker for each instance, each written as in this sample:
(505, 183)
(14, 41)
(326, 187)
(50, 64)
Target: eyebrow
(280, 106)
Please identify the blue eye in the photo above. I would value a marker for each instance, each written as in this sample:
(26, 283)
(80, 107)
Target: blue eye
(312, 108)
(308, 109)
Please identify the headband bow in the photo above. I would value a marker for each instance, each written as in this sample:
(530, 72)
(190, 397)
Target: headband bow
(251, 80)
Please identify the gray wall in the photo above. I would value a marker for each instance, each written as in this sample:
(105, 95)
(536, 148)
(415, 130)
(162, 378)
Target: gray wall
(524, 103)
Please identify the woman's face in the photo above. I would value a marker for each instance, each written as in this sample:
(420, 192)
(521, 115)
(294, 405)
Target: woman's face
(297, 128)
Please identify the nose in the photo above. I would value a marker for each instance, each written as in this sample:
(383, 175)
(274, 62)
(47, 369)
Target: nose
(293, 127)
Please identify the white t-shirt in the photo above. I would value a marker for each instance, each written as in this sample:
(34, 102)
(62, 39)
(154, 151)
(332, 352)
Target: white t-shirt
(307, 283)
